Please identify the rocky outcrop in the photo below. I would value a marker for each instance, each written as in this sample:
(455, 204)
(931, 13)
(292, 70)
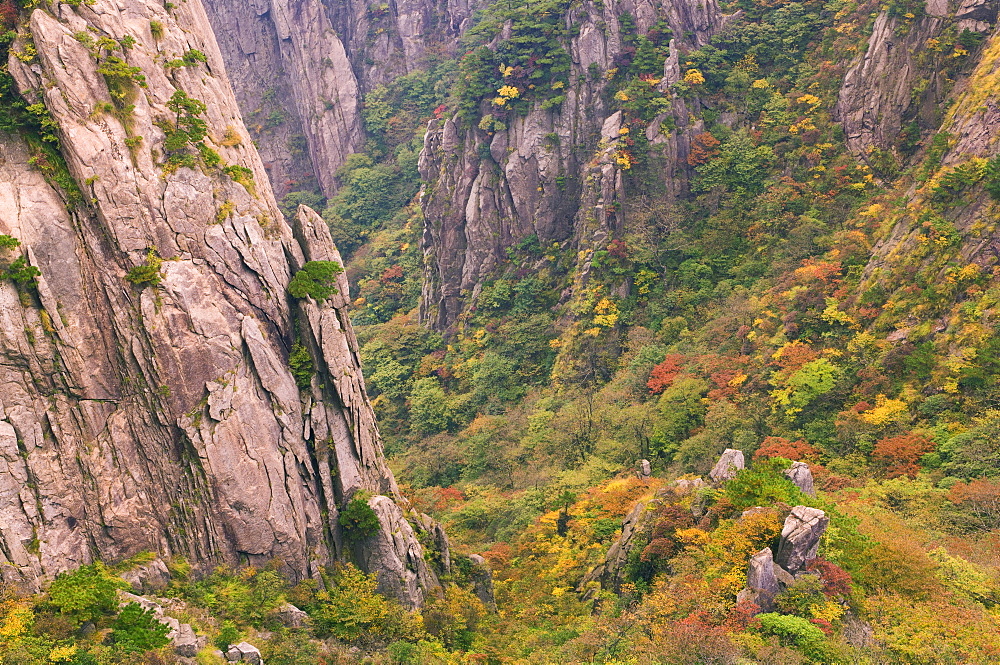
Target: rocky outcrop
(290, 616)
(730, 463)
(163, 415)
(608, 574)
(802, 477)
(244, 652)
(153, 576)
(762, 583)
(768, 574)
(300, 68)
(550, 172)
(482, 582)
(800, 538)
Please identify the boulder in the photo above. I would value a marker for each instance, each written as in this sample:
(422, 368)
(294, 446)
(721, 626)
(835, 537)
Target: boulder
(290, 616)
(244, 652)
(730, 463)
(800, 474)
(800, 538)
(152, 576)
(187, 643)
(482, 582)
(762, 582)
(688, 485)
(643, 469)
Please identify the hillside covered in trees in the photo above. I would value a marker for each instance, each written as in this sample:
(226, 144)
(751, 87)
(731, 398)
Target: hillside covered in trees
(588, 247)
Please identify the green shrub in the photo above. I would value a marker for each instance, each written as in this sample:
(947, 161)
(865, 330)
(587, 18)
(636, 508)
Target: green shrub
(229, 634)
(796, 632)
(764, 484)
(137, 630)
(316, 280)
(87, 593)
(147, 274)
(351, 607)
(301, 364)
(358, 519)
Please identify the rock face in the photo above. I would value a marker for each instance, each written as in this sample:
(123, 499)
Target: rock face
(762, 583)
(800, 538)
(730, 463)
(482, 582)
(165, 417)
(550, 173)
(608, 574)
(800, 474)
(300, 67)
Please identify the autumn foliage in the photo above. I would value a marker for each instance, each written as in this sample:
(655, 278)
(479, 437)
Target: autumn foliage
(8, 15)
(662, 376)
(898, 455)
(779, 446)
(704, 147)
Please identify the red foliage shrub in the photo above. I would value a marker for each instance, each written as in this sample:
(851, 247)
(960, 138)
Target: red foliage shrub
(8, 15)
(742, 616)
(779, 446)
(832, 482)
(618, 249)
(662, 376)
(823, 625)
(836, 580)
(392, 274)
(704, 147)
(663, 543)
(898, 455)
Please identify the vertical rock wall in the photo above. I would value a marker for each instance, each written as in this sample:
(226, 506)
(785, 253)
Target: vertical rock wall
(165, 417)
(300, 67)
(550, 172)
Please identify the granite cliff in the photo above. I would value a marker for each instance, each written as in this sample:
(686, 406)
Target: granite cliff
(146, 398)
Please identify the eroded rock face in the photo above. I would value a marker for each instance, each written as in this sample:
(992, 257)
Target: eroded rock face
(730, 463)
(887, 87)
(165, 417)
(482, 582)
(609, 573)
(800, 538)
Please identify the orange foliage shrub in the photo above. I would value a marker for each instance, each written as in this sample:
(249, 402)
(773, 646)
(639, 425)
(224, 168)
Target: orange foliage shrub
(779, 446)
(981, 498)
(704, 147)
(899, 455)
(686, 643)
(662, 376)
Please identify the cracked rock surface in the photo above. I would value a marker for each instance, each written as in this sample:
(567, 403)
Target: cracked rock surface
(165, 417)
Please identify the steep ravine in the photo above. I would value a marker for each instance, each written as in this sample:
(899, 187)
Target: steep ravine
(164, 416)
